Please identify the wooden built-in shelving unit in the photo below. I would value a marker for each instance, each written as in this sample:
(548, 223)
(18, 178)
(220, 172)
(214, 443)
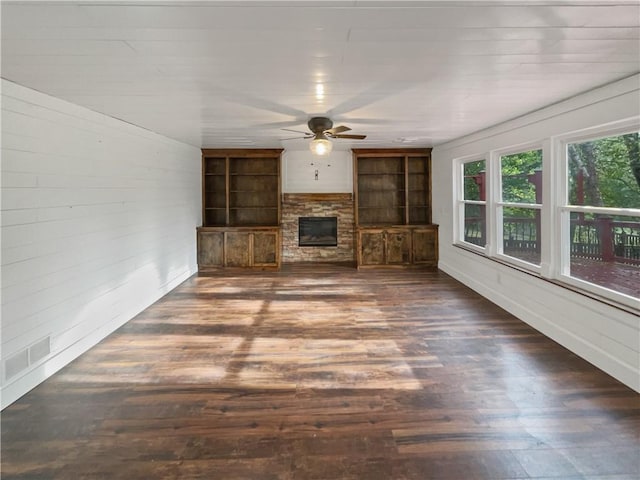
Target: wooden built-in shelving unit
(392, 190)
(241, 208)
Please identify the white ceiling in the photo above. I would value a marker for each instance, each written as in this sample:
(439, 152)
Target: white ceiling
(233, 74)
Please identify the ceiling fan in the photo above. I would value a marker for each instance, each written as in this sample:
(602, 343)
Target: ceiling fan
(321, 128)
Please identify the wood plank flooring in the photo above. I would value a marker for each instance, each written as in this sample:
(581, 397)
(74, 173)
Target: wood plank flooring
(324, 372)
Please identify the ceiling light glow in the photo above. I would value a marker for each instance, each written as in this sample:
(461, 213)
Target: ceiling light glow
(320, 146)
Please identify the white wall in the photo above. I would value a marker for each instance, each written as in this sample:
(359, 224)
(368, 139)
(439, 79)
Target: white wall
(604, 335)
(335, 172)
(98, 222)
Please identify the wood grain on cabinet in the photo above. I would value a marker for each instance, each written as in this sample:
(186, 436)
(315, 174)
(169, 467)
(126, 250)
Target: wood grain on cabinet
(371, 249)
(211, 248)
(399, 245)
(236, 252)
(425, 245)
(239, 247)
(265, 248)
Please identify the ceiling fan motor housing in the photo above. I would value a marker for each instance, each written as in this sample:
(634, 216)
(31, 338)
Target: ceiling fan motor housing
(319, 124)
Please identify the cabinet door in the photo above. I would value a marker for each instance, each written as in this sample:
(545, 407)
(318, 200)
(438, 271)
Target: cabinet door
(265, 249)
(425, 246)
(237, 251)
(210, 249)
(398, 247)
(371, 247)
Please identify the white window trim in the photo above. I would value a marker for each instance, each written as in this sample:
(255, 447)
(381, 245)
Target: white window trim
(548, 247)
(620, 127)
(531, 206)
(629, 212)
(497, 204)
(459, 219)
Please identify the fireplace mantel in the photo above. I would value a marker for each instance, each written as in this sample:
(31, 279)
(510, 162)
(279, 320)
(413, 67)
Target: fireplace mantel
(317, 197)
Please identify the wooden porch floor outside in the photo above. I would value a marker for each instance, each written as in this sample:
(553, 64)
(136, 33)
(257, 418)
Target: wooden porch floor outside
(621, 277)
(325, 372)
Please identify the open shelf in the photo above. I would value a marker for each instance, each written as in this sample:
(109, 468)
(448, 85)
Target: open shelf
(392, 182)
(242, 183)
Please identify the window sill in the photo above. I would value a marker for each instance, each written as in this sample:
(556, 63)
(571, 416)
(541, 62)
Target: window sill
(558, 283)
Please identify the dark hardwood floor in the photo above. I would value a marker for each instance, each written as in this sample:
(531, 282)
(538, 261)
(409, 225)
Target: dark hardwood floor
(325, 372)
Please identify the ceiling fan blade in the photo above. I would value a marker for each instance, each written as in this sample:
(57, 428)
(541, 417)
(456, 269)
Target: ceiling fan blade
(295, 138)
(296, 131)
(354, 137)
(339, 129)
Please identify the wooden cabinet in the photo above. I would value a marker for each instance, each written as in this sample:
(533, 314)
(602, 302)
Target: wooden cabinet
(371, 247)
(393, 207)
(424, 245)
(240, 196)
(384, 246)
(401, 245)
(246, 247)
(210, 247)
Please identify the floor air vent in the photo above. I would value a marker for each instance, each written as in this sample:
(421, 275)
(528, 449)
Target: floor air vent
(15, 364)
(39, 350)
(27, 357)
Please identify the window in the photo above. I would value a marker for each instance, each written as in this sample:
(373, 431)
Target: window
(601, 212)
(518, 212)
(473, 204)
(575, 220)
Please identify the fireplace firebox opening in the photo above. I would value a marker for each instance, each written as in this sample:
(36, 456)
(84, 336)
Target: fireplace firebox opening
(318, 231)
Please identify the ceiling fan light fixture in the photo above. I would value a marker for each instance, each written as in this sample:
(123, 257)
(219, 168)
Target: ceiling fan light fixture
(320, 146)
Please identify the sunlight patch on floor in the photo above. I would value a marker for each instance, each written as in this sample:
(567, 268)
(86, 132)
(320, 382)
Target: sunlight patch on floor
(326, 364)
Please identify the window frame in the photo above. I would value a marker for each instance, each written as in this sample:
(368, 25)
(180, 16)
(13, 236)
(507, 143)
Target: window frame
(555, 209)
(461, 202)
(563, 208)
(498, 204)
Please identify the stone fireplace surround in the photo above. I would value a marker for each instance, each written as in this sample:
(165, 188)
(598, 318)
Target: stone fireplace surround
(295, 205)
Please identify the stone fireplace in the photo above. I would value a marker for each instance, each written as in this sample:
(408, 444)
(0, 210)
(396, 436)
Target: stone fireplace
(318, 206)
